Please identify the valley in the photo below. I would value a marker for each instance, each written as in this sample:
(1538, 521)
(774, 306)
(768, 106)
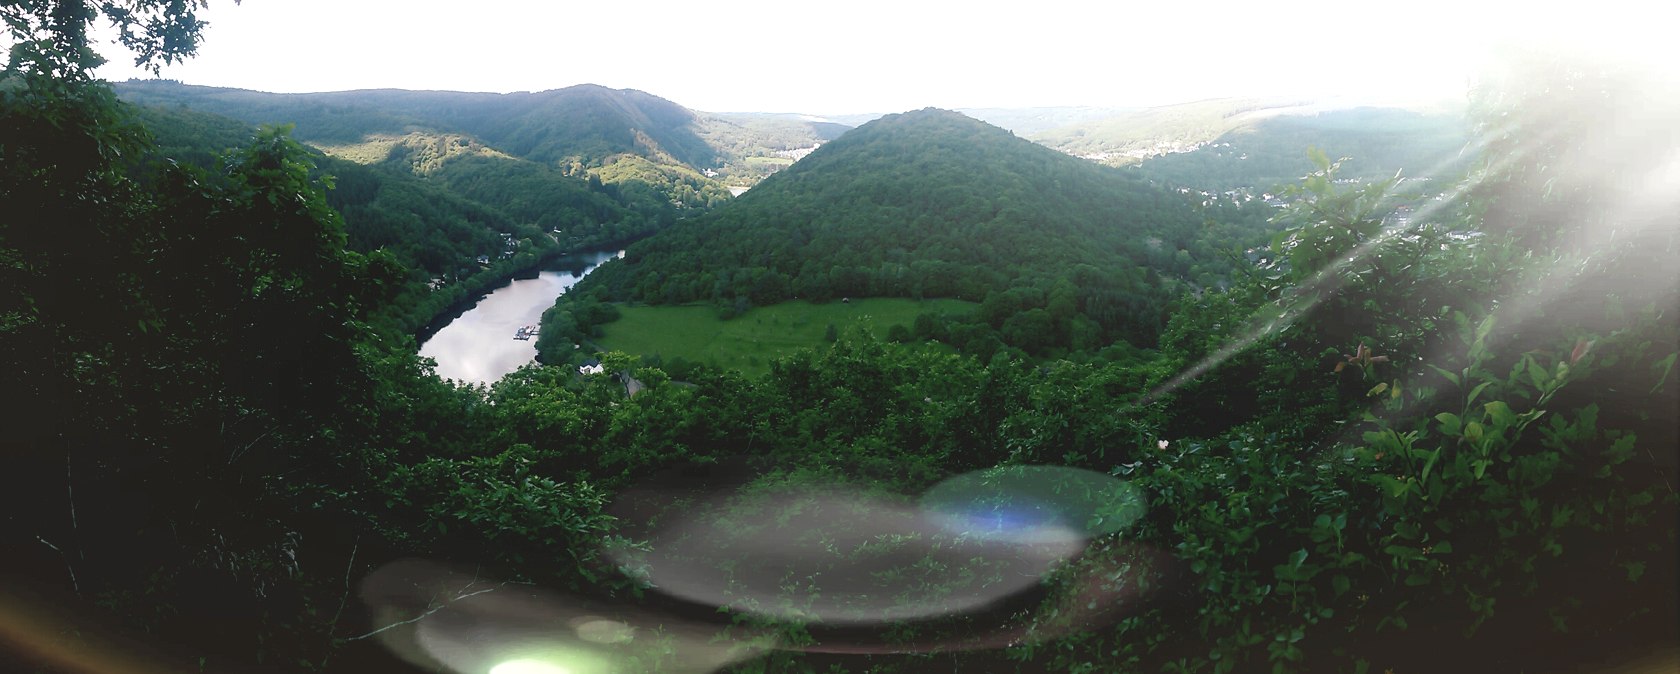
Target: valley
(585, 380)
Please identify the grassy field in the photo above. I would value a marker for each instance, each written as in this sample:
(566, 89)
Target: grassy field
(748, 342)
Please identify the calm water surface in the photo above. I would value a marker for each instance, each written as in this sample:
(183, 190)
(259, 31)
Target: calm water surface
(478, 347)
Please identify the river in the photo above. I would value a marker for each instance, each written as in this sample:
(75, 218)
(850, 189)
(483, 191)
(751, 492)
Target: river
(479, 346)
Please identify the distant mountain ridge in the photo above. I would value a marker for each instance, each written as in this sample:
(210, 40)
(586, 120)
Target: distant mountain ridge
(689, 156)
(578, 129)
(598, 121)
(1224, 144)
(1266, 151)
(1129, 136)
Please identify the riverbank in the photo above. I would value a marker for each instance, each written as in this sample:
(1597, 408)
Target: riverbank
(482, 343)
(430, 312)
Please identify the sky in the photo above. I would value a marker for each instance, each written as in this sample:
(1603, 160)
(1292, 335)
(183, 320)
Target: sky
(857, 56)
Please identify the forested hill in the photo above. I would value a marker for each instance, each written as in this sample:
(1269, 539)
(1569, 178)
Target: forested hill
(458, 227)
(935, 204)
(616, 135)
(598, 122)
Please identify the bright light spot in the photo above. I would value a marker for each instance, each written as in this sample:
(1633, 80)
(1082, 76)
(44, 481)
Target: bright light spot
(528, 667)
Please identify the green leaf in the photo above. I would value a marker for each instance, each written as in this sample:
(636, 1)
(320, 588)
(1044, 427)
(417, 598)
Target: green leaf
(1537, 373)
(1394, 487)
(1471, 400)
(1500, 412)
(1443, 547)
(1450, 376)
(1341, 584)
(1450, 423)
(1485, 328)
(1665, 365)
(1634, 570)
(1621, 450)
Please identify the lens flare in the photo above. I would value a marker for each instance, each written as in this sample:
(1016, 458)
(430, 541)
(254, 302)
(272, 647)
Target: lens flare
(841, 557)
(447, 620)
(529, 666)
(1034, 504)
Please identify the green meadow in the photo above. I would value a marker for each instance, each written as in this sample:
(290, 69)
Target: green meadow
(748, 342)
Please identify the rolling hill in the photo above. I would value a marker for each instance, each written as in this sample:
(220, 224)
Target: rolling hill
(1062, 253)
(619, 136)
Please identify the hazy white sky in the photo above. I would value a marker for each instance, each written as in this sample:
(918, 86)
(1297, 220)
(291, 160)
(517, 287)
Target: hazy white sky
(850, 56)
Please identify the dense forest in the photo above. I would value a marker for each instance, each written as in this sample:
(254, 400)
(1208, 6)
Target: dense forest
(1441, 442)
(1062, 254)
(459, 216)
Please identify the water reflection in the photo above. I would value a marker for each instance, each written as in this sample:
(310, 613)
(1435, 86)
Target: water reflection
(479, 346)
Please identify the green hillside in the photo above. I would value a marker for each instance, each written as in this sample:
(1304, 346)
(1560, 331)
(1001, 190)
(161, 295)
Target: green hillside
(579, 131)
(531, 155)
(459, 216)
(1063, 254)
(532, 192)
(584, 121)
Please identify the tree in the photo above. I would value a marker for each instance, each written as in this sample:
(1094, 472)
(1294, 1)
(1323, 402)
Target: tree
(50, 37)
(184, 348)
